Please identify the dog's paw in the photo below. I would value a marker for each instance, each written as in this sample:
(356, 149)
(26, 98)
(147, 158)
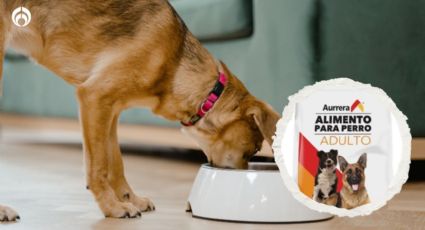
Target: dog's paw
(8, 214)
(122, 210)
(142, 203)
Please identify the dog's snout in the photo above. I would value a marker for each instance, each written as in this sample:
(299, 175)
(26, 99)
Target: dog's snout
(329, 161)
(354, 180)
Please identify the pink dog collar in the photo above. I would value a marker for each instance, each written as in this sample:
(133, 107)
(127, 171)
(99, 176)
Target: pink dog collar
(209, 102)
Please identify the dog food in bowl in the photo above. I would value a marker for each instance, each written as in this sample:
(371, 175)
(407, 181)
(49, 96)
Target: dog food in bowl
(257, 194)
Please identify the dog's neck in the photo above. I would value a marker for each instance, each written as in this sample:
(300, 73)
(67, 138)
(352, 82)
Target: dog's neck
(219, 106)
(195, 77)
(211, 99)
(354, 199)
(328, 171)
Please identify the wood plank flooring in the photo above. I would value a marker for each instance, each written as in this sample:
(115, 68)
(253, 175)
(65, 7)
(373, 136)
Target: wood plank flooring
(45, 184)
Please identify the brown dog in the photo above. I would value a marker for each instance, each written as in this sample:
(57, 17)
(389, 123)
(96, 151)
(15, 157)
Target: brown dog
(120, 54)
(353, 192)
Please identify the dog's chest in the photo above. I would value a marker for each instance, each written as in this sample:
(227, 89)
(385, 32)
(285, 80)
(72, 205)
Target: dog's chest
(25, 41)
(326, 179)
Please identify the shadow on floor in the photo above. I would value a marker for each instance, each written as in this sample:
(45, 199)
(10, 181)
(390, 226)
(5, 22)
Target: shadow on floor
(179, 154)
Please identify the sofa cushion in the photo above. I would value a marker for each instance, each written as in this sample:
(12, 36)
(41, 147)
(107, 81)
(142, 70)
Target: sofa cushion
(382, 47)
(216, 19)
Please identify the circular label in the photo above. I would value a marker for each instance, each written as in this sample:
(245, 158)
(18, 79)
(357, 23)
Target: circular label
(342, 147)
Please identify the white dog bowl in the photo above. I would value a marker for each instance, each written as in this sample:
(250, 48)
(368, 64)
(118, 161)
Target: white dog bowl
(254, 195)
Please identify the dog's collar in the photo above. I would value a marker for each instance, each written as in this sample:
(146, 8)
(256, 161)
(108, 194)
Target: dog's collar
(209, 102)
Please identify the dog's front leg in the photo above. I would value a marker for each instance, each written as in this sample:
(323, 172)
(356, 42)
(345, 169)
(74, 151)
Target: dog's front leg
(316, 194)
(96, 115)
(117, 177)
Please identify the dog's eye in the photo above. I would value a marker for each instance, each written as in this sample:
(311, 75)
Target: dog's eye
(350, 171)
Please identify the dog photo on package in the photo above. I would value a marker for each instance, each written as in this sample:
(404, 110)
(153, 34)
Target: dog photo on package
(347, 150)
(343, 148)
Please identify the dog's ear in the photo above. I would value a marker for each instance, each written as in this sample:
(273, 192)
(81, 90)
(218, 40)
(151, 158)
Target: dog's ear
(319, 153)
(362, 160)
(334, 152)
(342, 163)
(265, 118)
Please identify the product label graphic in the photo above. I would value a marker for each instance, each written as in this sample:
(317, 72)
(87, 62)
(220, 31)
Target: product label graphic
(346, 149)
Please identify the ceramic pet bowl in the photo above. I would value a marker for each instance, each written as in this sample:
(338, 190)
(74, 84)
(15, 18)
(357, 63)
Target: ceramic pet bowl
(254, 195)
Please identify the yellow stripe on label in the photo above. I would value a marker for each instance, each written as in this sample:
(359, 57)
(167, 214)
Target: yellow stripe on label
(305, 181)
(361, 107)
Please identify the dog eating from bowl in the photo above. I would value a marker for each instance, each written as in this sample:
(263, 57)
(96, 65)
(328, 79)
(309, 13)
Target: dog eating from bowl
(122, 54)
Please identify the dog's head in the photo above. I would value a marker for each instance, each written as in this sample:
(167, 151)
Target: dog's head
(327, 160)
(234, 143)
(234, 130)
(353, 177)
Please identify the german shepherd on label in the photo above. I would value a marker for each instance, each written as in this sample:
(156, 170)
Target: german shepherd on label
(353, 193)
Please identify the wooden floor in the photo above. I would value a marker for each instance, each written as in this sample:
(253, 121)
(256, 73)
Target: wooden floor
(45, 184)
(41, 176)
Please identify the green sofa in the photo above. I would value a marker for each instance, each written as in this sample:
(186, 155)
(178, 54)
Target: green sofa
(275, 47)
